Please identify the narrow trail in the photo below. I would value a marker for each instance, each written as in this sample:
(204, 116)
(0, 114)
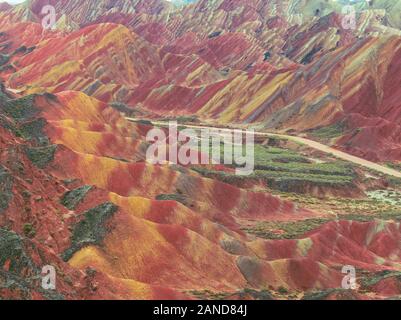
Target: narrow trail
(310, 143)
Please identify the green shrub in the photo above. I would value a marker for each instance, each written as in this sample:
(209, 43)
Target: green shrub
(71, 199)
(91, 230)
(29, 230)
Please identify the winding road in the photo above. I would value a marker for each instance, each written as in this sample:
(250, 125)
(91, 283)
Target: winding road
(310, 143)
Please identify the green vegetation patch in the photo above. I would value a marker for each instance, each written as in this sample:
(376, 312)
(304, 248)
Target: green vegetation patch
(12, 250)
(392, 197)
(184, 119)
(341, 294)
(72, 198)
(91, 230)
(385, 215)
(277, 230)
(122, 107)
(24, 50)
(288, 171)
(331, 168)
(396, 166)
(394, 182)
(21, 109)
(21, 120)
(4, 58)
(208, 295)
(330, 132)
(242, 294)
(41, 156)
(22, 275)
(372, 280)
(145, 122)
(6, 186)
(9, 125)
(256, 294)
(266, 155)
(285, 181)
(7, 67)
(29, 230)
(33, 130)
(318, 179)
(285, 230)
(173, 197)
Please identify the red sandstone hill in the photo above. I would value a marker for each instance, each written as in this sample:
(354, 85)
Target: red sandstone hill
(89, 208)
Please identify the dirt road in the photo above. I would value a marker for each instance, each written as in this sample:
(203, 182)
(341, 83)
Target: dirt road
(310, 143)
